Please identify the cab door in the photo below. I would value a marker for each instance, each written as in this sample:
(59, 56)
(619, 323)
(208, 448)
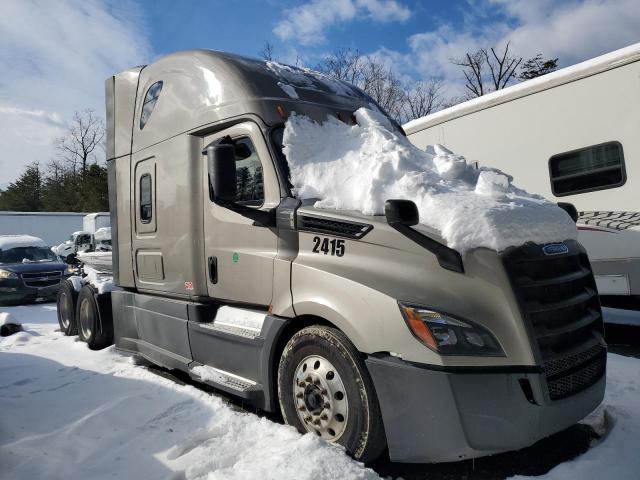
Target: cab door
(240, 252)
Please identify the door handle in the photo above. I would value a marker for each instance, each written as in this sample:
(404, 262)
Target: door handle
(213, 269)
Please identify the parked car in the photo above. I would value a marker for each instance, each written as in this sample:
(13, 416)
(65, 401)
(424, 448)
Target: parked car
(29, 270)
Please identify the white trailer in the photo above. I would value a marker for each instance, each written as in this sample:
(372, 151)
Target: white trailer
(94, 221)
(571, 136)
(52, 227)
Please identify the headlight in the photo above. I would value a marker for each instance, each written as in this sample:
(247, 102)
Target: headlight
(448, 335)
(6, 274)
(69, 270)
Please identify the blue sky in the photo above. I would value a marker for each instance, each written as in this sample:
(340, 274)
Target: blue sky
(55, 55)
(246, 26)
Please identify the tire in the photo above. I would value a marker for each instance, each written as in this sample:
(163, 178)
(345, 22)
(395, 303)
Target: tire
(91, 328)
(333, 395)
(66, 300)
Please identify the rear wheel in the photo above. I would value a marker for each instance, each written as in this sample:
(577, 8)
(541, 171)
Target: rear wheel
(324, 388)
(66, 303)
(91, 329)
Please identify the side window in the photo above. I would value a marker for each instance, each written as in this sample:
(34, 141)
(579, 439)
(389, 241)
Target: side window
(149, 103)
(146, 197)
(593, 168)
(249, 180)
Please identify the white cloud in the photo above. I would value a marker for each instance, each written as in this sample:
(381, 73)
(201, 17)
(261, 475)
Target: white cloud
(573, 31)
(54, 59)
(306, 23)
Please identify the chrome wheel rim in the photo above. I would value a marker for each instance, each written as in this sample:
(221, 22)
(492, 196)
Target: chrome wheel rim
(64, 310)
(320, 398)
(84, 317)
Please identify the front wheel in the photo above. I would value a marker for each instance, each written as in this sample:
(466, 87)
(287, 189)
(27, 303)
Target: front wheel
(324, 388)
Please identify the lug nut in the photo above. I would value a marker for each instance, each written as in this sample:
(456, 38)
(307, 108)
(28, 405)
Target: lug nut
(324, 417)
(327, 406)
(317, 381)
(302, 408)
(299, 395)
(309, 379)
(307, 419)
(324, 392)
(316, 422)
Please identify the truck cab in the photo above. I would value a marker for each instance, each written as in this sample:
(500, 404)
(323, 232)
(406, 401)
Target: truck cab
(366, 330)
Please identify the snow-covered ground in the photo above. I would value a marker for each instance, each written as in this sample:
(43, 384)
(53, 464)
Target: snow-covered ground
(70, 413)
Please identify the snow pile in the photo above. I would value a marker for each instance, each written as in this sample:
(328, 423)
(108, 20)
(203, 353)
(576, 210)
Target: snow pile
(102, 281)
(359, 167)
(8, 242)
(71, 413)
(6, 317)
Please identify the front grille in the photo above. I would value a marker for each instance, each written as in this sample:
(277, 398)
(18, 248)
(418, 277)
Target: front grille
(567, 384)
(559, 302)
(331, 226)
(41, 279)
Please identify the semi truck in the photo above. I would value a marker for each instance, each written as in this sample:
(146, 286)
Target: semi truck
(365, 330)
(571, 136)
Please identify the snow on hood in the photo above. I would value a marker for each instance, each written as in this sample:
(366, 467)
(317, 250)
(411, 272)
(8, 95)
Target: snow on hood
(359, 167)
(8, 242)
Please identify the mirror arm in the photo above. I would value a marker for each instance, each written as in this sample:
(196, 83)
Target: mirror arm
(261, 218)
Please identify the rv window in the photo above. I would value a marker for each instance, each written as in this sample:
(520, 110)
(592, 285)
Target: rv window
(149, 103)
(146, 197)
(593, 168)
(249, 181)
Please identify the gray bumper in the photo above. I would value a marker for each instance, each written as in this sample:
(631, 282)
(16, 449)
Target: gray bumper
(435, 416)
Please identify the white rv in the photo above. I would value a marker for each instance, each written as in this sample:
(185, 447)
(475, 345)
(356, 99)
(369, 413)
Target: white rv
(571, 136)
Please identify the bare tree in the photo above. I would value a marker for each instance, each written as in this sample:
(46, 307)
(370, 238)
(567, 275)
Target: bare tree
(344, 64)
(473, 70)
(503, 67)
(77, 146)
(370, 74)
(501, 70)
(267, 51)
(422, 98)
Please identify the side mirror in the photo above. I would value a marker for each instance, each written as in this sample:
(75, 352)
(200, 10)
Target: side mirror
(71, 259)
(403, 212)
(570, 209)
(221, 164)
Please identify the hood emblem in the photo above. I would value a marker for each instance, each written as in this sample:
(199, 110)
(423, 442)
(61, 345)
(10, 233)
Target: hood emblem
(555, 249)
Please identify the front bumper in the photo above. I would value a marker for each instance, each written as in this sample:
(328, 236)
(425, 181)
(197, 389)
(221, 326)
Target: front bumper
(438, 416)
(14, 291)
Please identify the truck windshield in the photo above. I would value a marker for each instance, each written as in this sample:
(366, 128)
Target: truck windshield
(27, 254)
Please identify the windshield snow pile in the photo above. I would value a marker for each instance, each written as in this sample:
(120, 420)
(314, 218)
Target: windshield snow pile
(359, 167)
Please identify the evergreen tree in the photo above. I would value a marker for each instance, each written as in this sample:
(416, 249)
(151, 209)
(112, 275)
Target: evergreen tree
(25, 194)
(536, 66)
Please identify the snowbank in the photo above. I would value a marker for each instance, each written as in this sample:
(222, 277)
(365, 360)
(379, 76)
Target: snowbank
(8, 242)
(359, 167)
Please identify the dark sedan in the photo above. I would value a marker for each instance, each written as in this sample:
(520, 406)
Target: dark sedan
(29, 274)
